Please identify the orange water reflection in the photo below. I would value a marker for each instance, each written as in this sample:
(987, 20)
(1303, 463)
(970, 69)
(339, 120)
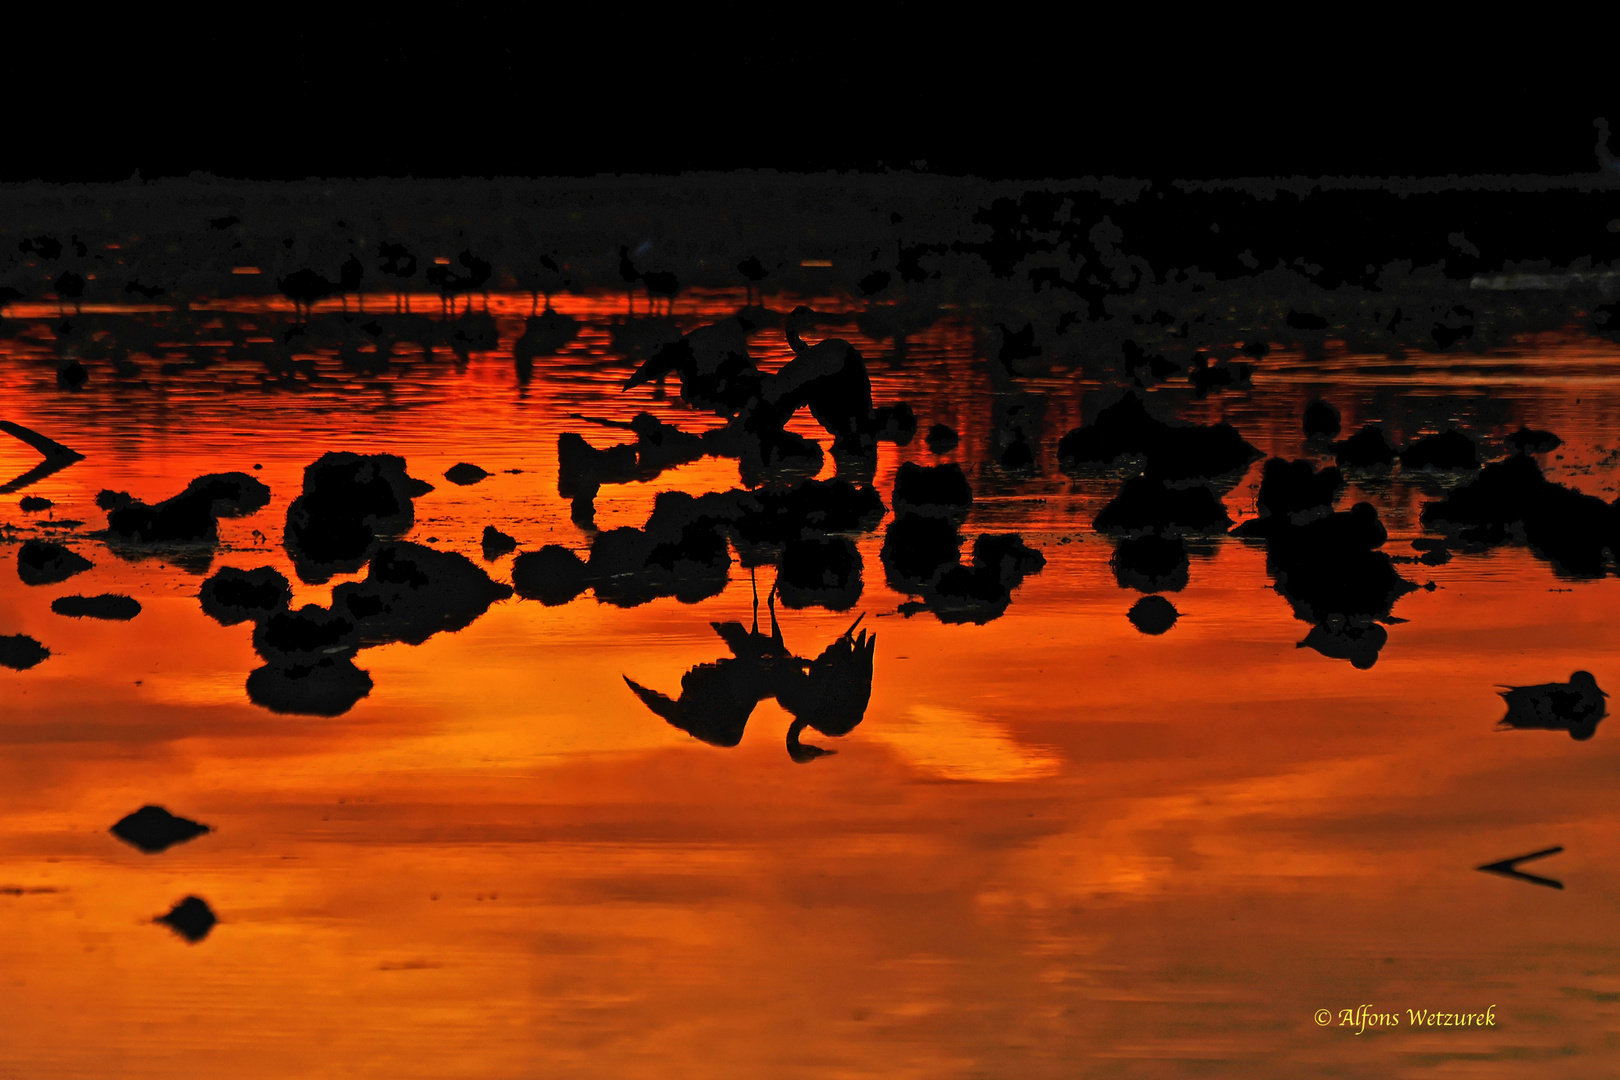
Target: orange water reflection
(1055, 847)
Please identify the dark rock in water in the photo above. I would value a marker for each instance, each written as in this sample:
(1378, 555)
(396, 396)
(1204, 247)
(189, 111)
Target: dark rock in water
(154, 829)
(820, 571)
(1292, 492)
(1365, 449)
(895, 423)
(349, 502)
(1329, 567)
(192, 515)
(464, 474)
(553, 575)
(329, 686)
(1174, 452)
(33, 503)
(108, 499)
(932, 489)
(106, 606)
(191, 918)
(917, 548)
(1151, 564)
(305, 635)
(1153, 615)
(21, 652)
(41, 562)
(72, 376)
(1449, 450)
(1338, 639)
(1019, 456)
(1008, 555)
(1321, 420)
(1511, 500)
(942, 438)
(1147, 504)
(496, 543)
(232, 596)
(412, 592)
(1531, 441)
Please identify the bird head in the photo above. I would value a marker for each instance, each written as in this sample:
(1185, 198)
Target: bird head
(1585, 680)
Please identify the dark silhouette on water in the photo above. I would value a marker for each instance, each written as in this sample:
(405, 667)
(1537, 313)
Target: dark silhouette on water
(106, 606)
(57, 457)
(1510, 868)
(829, 694)
(496, 543)
(234, 596)
(154, 829)
(19, 652)
(1575, 706)
(464, 474)
(191, 918)
(43, 562)
(1153, 615)
(348, 504)
(1321, 420)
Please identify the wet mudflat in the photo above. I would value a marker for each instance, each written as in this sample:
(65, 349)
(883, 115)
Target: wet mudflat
(1058, 840)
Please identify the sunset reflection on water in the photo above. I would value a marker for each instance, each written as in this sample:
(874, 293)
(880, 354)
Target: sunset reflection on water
(1054, 847)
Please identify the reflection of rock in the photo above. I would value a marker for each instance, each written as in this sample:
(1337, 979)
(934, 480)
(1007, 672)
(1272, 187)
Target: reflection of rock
(1153, 615)
(1147, 504)
(1151, 564)
(824, 571)
(41, 562)
(329, 686)
(232, 596)
(412, 592)
(304, 636)
(1339, 639)
(21, 652)
(348, 502)
(106, 606)
(154, 829)
(191, 918)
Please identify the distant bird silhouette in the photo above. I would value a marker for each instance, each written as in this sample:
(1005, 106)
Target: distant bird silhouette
(452, 283)
(754, 270)
(307, 287)
(1575, 706)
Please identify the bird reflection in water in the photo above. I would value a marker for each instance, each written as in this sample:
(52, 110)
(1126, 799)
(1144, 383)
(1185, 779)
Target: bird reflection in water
(829, 693)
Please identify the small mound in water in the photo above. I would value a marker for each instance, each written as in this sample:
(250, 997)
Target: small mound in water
(31, 504)
(40, 562)
(553, 575)
(191, 918)
(154, 829)
(496, 543)
(327, 687)
(464, 474)
(106, 606)
(21, 652)
(1153, 615)
(233, 596)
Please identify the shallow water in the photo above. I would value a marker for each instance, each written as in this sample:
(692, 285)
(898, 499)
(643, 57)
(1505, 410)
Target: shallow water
(1055, 846)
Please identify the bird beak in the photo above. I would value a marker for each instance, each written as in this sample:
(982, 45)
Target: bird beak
(637, 377)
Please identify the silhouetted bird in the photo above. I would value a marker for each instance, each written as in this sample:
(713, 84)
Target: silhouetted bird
(1575, 706)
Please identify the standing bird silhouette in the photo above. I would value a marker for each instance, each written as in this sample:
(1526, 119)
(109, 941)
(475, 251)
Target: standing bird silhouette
(754, 271)
(1575, 706)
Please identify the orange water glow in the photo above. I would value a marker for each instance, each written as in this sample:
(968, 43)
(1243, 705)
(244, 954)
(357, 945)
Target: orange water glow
(1055, 847)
